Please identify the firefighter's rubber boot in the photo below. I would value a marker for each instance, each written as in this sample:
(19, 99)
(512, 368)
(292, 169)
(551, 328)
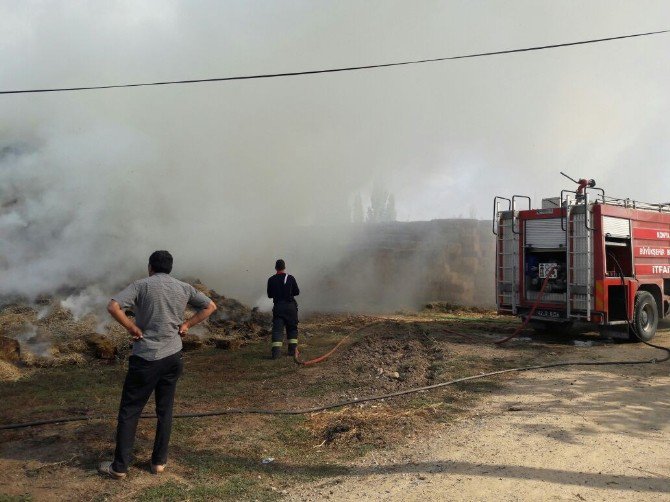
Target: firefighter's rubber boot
(292, 347)
(276, 352)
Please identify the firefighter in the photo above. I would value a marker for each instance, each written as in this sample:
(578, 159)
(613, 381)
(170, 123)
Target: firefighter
(283, 289)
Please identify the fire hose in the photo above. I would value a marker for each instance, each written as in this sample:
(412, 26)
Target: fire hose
(523, 325)
(525, 321)
(349, 402)
(539, 299)
(532, 310)
(297, 359)
(354, 401)
(310, 362)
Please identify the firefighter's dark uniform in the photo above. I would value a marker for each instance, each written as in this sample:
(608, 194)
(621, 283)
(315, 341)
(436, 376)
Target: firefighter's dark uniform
(282, 288)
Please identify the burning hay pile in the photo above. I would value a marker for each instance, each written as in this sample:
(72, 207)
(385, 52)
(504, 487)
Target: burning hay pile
(231, 326)
(46, 333)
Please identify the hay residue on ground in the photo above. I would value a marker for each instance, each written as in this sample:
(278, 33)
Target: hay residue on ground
(50, 335)
(9, 372)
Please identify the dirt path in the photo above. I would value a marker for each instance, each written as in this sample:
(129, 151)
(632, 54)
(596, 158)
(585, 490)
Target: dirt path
(554, 435)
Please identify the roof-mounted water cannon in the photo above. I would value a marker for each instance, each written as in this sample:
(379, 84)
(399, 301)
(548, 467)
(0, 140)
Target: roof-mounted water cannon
(582, 183)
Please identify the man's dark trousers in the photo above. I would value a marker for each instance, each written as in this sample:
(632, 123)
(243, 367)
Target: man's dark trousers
(143, 378)
(284, 315)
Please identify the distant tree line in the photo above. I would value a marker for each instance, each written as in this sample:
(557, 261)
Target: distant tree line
(381, 208)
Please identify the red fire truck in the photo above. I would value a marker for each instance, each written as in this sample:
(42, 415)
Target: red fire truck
(583, 256)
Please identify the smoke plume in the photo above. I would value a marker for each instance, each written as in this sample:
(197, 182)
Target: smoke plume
(229, 177)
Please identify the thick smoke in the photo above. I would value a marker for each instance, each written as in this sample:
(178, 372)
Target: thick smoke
(229, 176)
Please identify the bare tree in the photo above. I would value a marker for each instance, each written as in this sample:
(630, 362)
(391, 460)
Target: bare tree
(357, 209)
(382, 206)
(390, 208)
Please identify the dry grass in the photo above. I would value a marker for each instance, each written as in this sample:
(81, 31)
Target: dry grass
(9, 372)
(54, 361)
(363, 427)
(224, 454)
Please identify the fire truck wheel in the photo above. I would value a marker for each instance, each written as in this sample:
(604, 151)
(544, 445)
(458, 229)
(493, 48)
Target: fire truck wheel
(645, 316)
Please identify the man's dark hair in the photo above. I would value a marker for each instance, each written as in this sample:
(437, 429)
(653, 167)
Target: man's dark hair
(280, 265)
(161, 262)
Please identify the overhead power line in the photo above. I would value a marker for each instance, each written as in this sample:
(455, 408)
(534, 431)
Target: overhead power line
(335, 70)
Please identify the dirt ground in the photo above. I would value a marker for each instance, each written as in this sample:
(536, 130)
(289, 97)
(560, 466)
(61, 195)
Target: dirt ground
(582, 434)
(554, 435)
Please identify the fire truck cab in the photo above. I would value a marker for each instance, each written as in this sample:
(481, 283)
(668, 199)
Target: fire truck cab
(583, 256)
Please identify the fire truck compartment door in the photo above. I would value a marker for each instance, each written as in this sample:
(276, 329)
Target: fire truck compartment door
(545, 233)
(616, 227)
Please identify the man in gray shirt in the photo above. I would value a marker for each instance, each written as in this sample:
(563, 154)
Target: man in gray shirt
(156, 362)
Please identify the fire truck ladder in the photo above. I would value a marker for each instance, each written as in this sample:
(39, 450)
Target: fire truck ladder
(579, 255)
(507, 258)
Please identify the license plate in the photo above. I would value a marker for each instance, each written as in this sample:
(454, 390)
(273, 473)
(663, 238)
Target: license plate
(548, 270)
(550, 314)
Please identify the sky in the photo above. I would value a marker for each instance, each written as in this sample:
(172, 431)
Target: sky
(92, 181)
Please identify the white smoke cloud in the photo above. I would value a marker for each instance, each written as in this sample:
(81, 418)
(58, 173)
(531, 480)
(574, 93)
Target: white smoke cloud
(222, 175)
(91, 299)
(30, 341)
(60, 215)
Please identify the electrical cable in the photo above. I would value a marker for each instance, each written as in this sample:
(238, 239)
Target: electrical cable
(349, 402)
(335, 70)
